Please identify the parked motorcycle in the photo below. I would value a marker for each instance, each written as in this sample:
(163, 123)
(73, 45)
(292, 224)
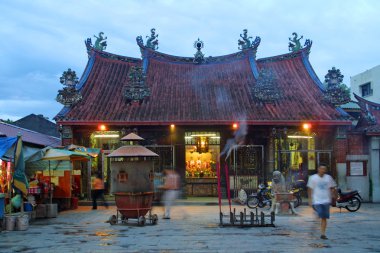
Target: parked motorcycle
(350, 200)
(262, 198)
(297, 188)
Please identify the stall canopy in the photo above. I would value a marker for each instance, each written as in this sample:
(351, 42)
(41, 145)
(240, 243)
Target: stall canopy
(58, 159)
(5, 144)
(93, 152)
(63, 155)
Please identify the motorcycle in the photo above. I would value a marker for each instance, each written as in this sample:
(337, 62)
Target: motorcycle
(297, 188)
(350, 200)
(262, 198)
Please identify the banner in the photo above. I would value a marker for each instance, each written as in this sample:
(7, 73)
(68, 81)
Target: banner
(20, 181)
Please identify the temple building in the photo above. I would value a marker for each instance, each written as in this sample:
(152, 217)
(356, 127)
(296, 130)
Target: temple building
(252, 115)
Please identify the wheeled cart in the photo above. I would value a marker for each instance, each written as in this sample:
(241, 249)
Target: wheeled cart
(134, 206)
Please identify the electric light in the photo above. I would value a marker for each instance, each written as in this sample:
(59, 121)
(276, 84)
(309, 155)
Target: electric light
(306, 126)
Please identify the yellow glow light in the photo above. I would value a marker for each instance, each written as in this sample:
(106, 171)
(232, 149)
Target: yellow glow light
(299, 137)
(106, 136)
(235, 125)
(102, 127)
(306, 126)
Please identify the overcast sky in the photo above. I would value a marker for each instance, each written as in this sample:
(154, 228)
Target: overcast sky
(41, 39)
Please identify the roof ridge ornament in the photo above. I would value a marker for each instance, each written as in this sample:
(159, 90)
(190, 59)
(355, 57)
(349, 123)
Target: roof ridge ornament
(136, 90)
(68, 96)
(152, 41)
(246, 43)
(266, 89)
(337, 93)
(100, 43)
(295, 44)
(198, 56)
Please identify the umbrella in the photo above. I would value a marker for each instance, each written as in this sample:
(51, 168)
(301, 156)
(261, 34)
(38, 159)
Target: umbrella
(63, 155)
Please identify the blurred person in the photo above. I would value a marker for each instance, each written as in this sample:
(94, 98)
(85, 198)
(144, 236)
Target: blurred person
(321, 188)
(98, 192)
(171, 187)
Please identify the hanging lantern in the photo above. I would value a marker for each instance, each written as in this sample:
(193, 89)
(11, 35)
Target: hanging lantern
(202, 144)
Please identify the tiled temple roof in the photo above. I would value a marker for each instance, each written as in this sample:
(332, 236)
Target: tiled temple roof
(216, 92)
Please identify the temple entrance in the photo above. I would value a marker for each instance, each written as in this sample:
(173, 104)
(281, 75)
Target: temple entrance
(202, 151)
(246, 168)
(299, 164)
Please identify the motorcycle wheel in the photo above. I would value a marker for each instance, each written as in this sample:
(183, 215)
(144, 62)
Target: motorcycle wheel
(252, 202)
(354, 204)
(298, 201)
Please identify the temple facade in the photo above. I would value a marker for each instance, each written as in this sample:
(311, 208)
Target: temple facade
(251, 116)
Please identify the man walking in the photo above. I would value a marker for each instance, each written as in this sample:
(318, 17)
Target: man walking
(98, 192)
(171, 187)
(321, 188)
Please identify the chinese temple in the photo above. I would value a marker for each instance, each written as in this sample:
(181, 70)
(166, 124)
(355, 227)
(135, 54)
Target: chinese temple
(252, 115)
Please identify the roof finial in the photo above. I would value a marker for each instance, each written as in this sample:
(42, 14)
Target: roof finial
(198, 56)
(246, 43)
(100, 43)
(295, 44)
(152, 41)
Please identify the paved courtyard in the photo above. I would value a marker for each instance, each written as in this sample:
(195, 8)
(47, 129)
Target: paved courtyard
(195, 228)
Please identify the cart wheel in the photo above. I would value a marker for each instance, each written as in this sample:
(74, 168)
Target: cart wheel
(154, 219)
(141, 221)
(124, 219)
(113, 220)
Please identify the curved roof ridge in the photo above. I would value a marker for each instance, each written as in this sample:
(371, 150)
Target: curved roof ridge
(92, 52)
(209, 59)
(282, 57)
(363, 100)
(150, 53)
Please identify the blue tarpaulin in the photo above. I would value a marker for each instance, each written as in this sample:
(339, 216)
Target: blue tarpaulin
(5, 144)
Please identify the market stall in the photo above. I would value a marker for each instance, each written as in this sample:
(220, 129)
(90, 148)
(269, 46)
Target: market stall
(53, 176)
(13, 184)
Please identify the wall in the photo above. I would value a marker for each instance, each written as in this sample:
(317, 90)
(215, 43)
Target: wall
(352, 148)
(375, 167)
(360, 183)
(372, 75)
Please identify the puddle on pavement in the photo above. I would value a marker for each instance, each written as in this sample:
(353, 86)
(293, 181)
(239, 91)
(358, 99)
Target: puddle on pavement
(319, 245)
(74, 232)
(105, 244)
(211, 225)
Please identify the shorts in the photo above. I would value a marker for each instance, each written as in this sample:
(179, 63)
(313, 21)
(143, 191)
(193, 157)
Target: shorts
(323, 210)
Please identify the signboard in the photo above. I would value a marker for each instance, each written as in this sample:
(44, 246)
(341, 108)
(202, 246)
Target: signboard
(357, 169)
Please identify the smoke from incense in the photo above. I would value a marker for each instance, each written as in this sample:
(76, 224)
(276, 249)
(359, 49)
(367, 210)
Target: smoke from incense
(239, 138)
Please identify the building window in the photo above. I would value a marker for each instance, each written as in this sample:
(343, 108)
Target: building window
(366, 90)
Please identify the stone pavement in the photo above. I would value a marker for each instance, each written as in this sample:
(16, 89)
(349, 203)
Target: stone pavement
(195, 228)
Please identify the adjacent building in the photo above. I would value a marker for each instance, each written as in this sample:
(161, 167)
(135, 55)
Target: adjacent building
(367, 84)
(38, 123)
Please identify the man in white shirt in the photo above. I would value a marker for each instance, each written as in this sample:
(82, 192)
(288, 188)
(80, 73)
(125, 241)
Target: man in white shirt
(321, 188)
